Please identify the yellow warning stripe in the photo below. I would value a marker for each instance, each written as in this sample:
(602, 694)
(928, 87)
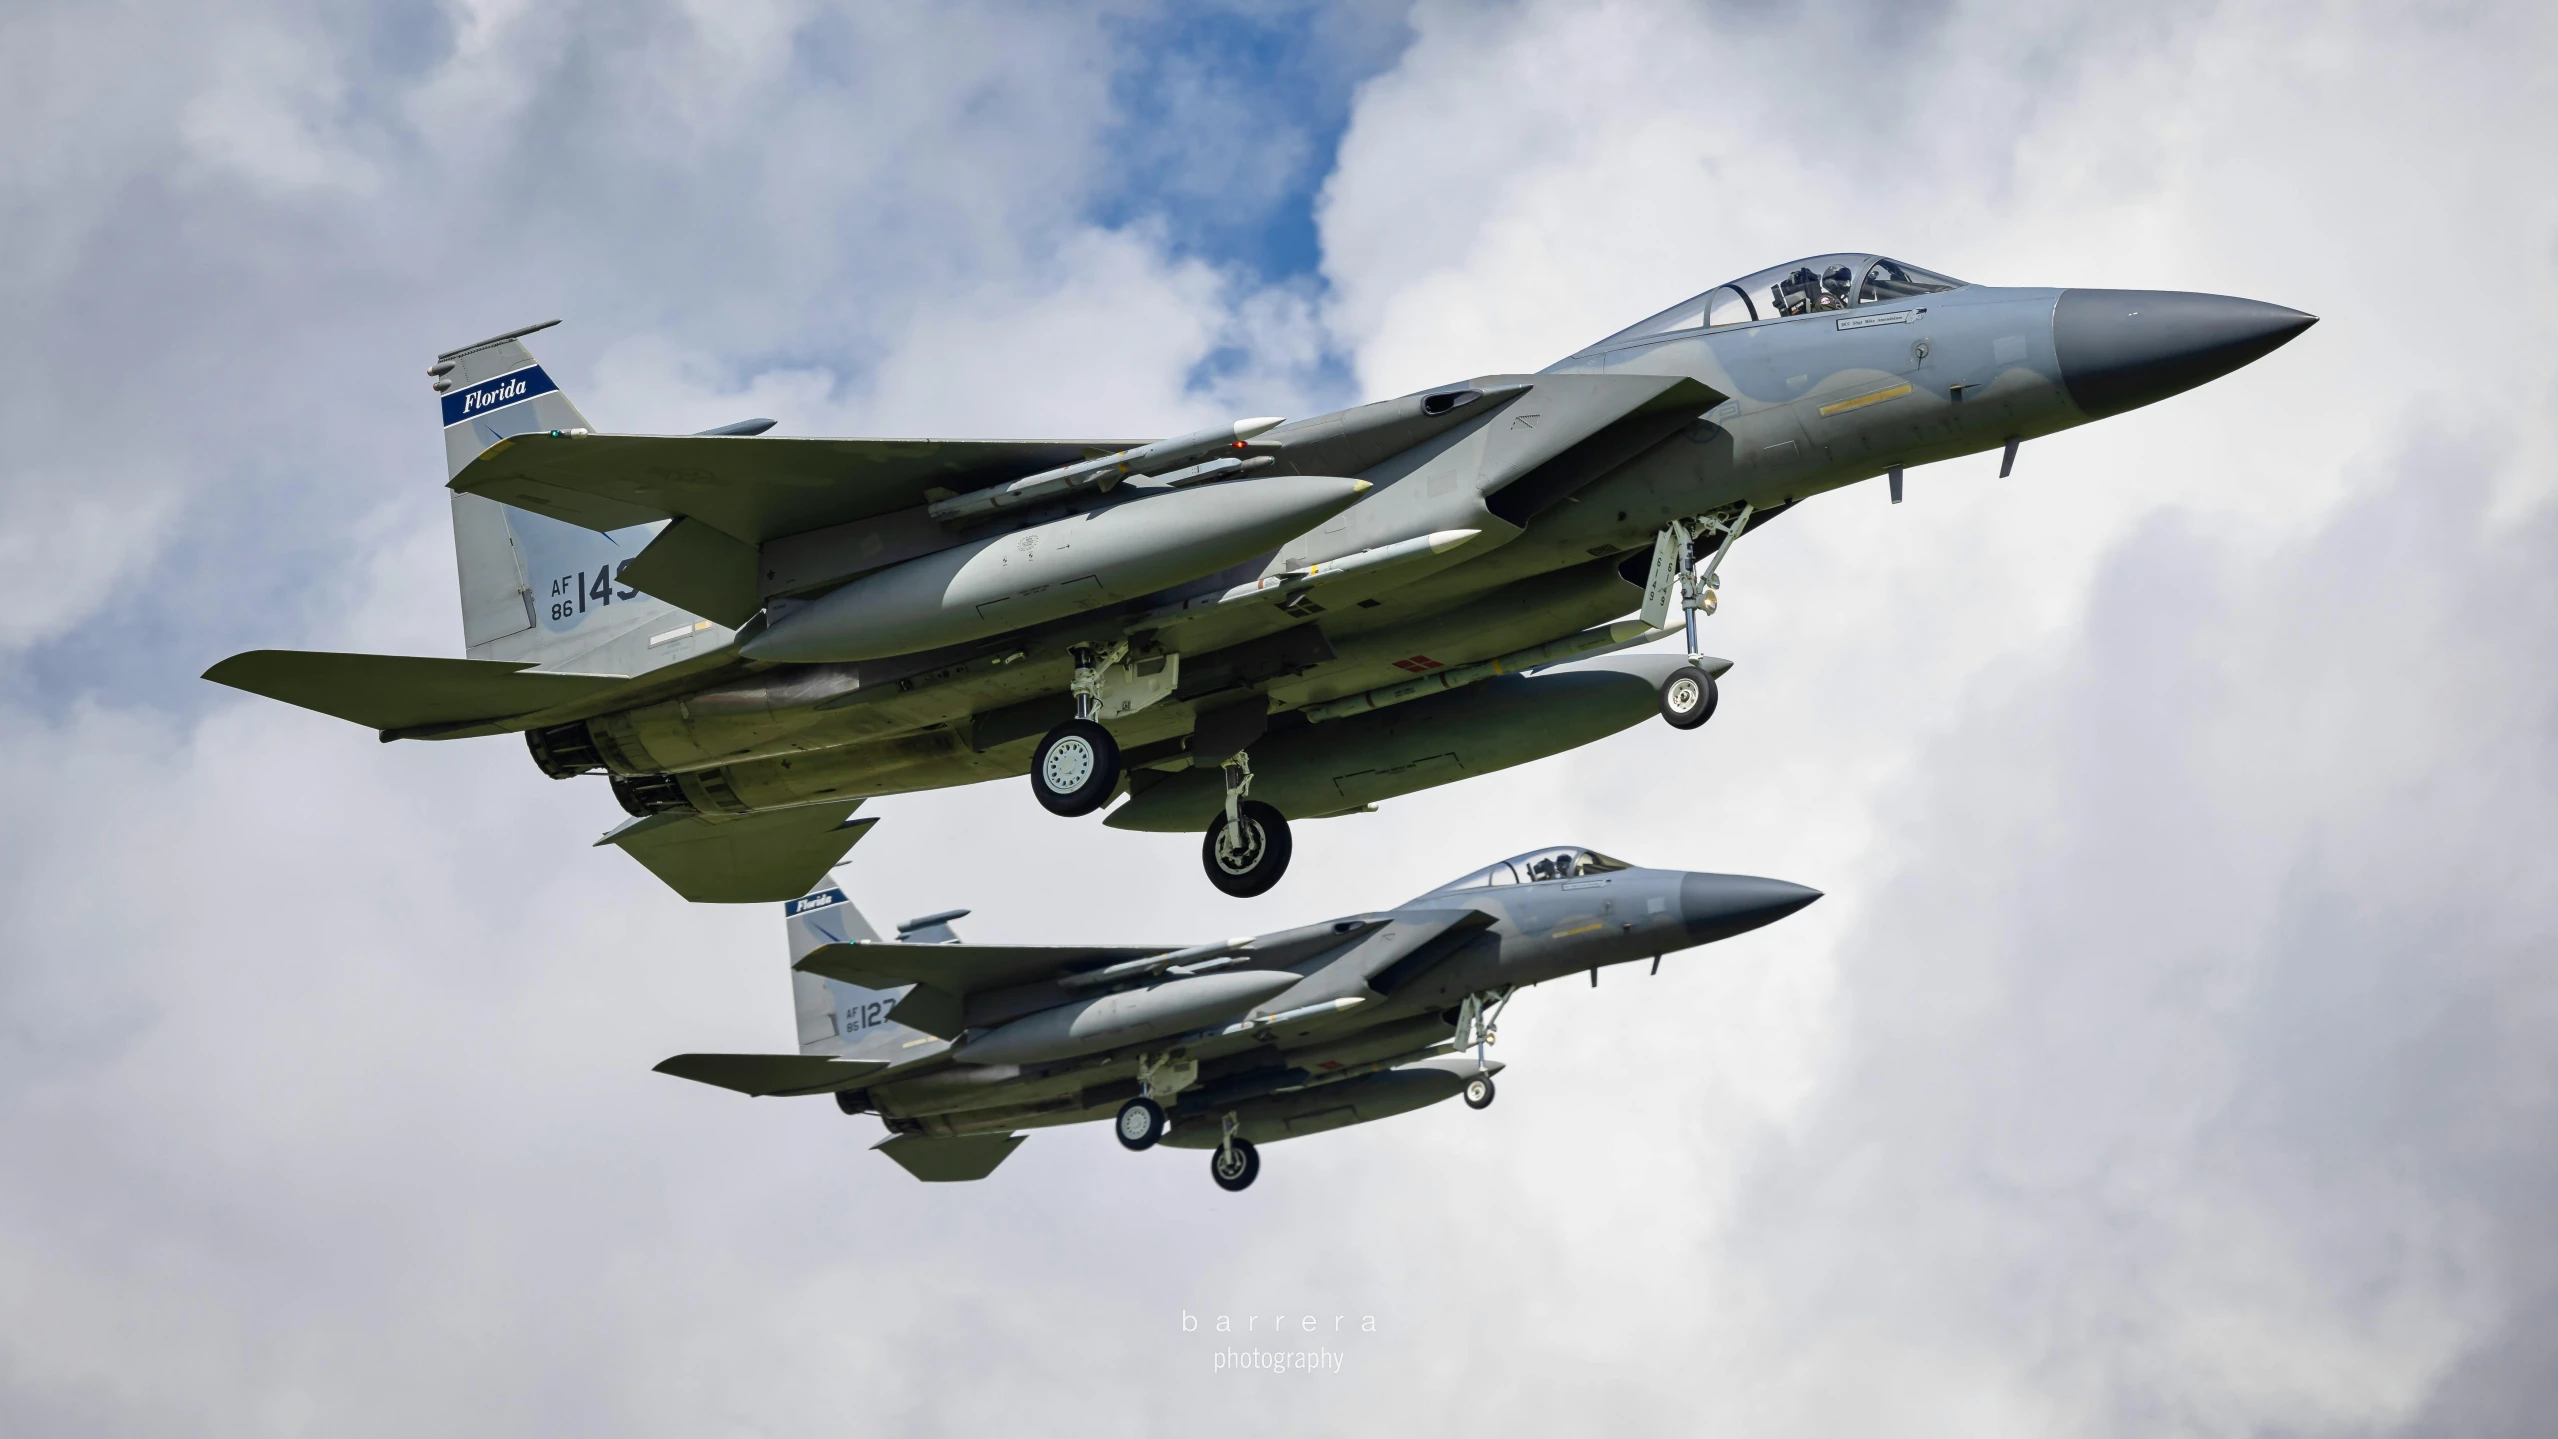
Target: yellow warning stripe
(1861, 401)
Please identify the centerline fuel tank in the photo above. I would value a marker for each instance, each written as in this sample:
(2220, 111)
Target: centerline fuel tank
(1014, 578)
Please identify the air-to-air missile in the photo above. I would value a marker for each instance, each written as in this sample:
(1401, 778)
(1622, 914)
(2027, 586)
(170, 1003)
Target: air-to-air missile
(1222, 1046)
(1234, 630)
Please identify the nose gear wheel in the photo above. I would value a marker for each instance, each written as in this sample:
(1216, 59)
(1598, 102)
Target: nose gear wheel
(1688, 697)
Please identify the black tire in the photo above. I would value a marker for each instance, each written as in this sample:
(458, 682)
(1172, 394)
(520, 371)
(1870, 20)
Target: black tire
(1261, 861)
(1479, 1092)
(1075, 770)
(1140, 1123)
(852, 1101)
(1688, 697)
(1235, 1166)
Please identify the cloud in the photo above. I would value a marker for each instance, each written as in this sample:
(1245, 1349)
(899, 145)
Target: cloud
(2170, 1052)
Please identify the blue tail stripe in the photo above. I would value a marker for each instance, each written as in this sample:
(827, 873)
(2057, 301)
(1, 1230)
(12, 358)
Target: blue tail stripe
(512, 388)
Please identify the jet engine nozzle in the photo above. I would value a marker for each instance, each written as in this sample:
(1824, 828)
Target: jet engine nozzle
(2122, 349)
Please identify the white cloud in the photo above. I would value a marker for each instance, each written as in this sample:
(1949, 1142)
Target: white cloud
(2171, 1052)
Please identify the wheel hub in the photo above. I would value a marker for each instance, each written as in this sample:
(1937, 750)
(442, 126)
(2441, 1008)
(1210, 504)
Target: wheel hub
(1069, 765)
(1683, 694)
(1242, 859)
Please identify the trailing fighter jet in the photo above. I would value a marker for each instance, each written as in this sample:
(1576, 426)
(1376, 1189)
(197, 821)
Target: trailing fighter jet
(1255, 624)
(1220, 1046)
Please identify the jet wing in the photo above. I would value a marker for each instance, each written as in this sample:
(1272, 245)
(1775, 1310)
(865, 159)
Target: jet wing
(767, 858)
(749, 489)
(1571, 429)
(1387, 957)
(770, 1074)
(405, 692)
(959, 969)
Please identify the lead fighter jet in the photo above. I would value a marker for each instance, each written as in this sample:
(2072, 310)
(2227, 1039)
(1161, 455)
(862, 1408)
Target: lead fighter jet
(1218, 1046)
(1255, 624)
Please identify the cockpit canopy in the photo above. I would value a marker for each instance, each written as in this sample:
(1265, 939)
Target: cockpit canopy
(1536, 866)
(1823, 282)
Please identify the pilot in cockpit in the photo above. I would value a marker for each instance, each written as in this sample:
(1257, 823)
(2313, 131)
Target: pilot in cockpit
(1803, 292)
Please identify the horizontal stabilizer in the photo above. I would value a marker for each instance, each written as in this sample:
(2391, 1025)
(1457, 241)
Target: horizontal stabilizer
(750, 489)
(404, 692)
(766, 858)
(771, 1074)
(944, 1161)
(960, 969)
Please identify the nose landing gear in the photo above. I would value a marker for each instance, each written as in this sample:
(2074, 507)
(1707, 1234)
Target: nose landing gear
(1688, 696)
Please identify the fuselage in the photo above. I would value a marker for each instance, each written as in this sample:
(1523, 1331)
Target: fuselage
(1798, 386)
(1312, 1007)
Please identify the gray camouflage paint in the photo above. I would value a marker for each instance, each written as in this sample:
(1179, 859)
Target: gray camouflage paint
(1565, 487)
(1408, 967)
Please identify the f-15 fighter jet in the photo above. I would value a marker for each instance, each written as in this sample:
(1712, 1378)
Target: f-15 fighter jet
(1221, 1046)
(1255, 624)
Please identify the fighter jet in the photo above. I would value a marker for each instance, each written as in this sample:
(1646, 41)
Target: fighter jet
(1222, 1046)
(1235, 629)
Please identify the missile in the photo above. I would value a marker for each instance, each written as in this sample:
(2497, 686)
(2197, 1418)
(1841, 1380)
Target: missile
(1437, 542)
(1129, 1017)
(1185, 960)
(1045, 572)
(1100, 472)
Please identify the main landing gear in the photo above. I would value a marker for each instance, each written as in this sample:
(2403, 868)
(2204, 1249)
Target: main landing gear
(1140, 1123)
(1075, 770)
(1246, 849)
(1234, 1164)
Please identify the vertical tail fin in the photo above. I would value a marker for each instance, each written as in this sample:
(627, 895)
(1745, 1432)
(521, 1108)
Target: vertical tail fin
(533, 588)
(835, 1018)
(495, 389)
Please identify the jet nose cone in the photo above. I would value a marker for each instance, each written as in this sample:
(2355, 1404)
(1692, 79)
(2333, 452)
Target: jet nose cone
(2121, 349)
(1719, 906)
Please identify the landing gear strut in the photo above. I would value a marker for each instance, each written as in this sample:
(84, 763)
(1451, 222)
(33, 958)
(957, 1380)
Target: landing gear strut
(1075, 770)
(1246, 849)
(1688, 696)
(1475, 1026)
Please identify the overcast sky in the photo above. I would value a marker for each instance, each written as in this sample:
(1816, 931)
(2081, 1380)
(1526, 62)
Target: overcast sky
(2176, 1050)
